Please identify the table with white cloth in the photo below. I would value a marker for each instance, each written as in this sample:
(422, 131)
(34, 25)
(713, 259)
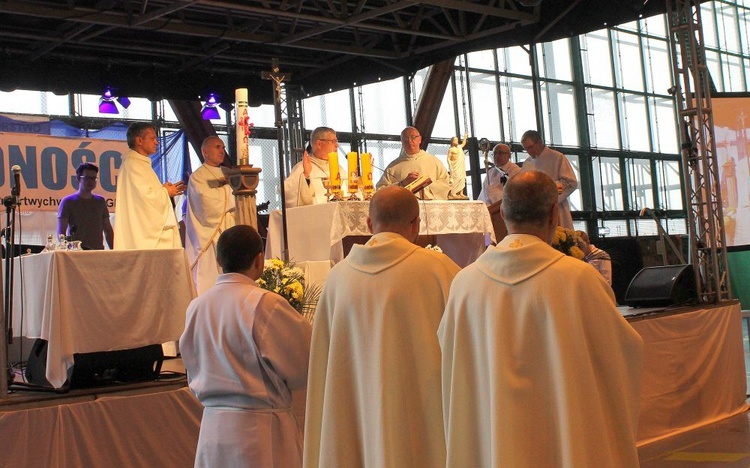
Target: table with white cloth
(104, 300)
(316, 232)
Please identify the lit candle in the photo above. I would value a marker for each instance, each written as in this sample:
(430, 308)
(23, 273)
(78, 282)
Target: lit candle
(334, 177)
(352, 183)
(366, 162)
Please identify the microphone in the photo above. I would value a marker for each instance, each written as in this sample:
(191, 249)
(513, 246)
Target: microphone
(16, 190)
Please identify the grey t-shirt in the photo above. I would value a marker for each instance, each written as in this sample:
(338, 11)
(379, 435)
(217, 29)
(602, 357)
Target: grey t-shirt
(85, 219)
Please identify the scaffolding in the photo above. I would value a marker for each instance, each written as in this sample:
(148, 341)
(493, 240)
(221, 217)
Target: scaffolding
(692, 92)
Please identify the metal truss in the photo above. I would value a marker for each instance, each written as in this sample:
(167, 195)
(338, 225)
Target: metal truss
(692, 92)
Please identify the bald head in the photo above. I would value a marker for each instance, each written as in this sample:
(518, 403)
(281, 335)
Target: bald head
(213, 151)
(529, 199)
(394, 209)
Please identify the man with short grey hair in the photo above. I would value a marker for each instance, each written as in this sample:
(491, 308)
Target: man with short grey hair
(305, 184)
(539, 368)
(554, 164)
(499, 175)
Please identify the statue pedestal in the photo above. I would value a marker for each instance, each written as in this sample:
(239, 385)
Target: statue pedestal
(244, 180)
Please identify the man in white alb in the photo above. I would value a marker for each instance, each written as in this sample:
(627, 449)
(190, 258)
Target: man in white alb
(554, 164)
(498, 176)
(305, 186)
(210, 211)
(539, 368)
(414, 162)
(245, 349)
(144, 213)
(373, 396)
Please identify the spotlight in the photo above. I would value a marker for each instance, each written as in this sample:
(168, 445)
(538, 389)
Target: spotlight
(209, 111)
(107, 103)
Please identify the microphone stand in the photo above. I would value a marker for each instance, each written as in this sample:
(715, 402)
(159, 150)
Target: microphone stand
(6, 337)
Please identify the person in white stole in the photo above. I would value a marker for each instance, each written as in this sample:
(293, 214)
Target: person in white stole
(210, 211)
(539, 368)
(144, 214)
(304, 185)
(245, 349)
(373, 396)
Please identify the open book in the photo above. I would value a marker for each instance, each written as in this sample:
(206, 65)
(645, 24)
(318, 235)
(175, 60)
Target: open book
(418, 184)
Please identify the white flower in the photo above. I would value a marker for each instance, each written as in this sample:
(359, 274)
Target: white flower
(434, 248)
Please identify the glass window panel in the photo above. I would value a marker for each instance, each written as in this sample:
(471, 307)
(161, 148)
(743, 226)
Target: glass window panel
(607, 184)
(555, 60)
(484, 102)
(576, 203)
(521, 103)
(615, 228)
(644, 227)
(416, 85)
(329, 110)
(658, 70)
(602, 118)
(445, 125)
(729, 34)
(558, 107)
(483, 59)
(517, 61)
(641, 187)
(263, 115)
(597, 59)
(708, 25)
(23, 101)
(383, 153)
(663, 126)
(676, 226)
(383, 104)
(631, 26)
(744, 22)
(670, 187)
(714, 69)
(139, 109)
(628, 61)
(733, 77)
(655, 25)
(169, 116)
(634, 122)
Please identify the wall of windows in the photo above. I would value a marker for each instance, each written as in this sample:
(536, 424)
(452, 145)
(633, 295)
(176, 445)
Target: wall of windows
(604, 102)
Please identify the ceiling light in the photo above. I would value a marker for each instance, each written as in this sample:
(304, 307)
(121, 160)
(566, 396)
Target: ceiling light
(108, 101)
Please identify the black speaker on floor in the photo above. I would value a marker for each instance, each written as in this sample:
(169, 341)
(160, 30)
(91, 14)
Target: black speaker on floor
(100, 368)
(662, 286)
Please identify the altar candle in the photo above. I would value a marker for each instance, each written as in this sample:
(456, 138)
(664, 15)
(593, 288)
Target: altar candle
(352, 182)
(366, 161)
(242, 126)
(334, 181)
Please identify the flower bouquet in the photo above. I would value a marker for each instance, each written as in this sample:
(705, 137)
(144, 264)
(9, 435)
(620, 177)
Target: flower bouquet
(567, 242)
(288, 281)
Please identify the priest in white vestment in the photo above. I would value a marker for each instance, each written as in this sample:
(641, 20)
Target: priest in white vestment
(539, 368)
(554, 164)
(415, 162)
(144, 214)
(306, 182)
(245, 349)
(373, 397)
(498, 176)
(210, 211)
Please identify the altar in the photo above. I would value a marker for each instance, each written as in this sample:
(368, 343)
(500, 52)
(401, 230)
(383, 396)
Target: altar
(99, 300)
(316, 232)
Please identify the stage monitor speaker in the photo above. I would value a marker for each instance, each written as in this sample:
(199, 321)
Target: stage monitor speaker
(99, 368)
(662, 286)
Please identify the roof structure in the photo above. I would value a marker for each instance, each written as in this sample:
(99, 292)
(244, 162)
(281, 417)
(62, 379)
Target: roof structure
(184, 49)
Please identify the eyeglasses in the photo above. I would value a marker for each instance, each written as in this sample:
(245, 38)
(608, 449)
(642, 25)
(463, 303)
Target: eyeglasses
(91, 178)
(414, 137)
(330, 140)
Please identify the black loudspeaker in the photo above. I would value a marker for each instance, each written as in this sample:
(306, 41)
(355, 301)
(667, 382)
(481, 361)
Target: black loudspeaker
(662, 286)
(100, 368)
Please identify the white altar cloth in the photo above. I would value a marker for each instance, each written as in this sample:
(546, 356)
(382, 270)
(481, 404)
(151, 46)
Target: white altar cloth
(316, 231)
(88, 301)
